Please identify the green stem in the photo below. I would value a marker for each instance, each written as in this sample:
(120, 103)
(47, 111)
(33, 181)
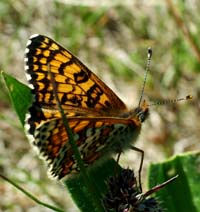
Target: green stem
(96, 198)
(30, 195)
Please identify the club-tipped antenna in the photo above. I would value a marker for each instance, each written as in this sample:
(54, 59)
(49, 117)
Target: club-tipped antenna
(172, 101)
(149, 55)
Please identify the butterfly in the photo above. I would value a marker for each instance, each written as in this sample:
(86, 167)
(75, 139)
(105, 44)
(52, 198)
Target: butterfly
(101, 123)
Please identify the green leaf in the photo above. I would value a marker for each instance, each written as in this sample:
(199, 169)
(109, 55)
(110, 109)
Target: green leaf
(98, 174)
(184, 193)
(20, 95)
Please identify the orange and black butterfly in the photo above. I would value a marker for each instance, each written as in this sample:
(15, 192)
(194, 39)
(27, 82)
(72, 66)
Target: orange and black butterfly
(101, 123)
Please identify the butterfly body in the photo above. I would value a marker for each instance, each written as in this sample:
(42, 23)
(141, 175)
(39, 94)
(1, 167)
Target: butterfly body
(100, 122)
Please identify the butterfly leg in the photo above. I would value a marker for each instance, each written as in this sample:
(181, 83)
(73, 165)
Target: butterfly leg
(116, 169)
(118, 157)
(141, 164)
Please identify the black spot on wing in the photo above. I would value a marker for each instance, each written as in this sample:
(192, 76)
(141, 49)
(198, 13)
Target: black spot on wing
(93, 94)
(81, 76)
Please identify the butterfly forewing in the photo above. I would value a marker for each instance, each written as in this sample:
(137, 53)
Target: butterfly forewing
(76, 85)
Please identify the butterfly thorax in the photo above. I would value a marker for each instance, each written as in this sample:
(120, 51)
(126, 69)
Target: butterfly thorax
(127, 134)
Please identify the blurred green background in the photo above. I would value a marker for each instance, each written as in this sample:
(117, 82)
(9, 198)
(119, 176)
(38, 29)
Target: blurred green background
(111, 38)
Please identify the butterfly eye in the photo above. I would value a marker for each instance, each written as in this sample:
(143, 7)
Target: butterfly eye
(142, 117)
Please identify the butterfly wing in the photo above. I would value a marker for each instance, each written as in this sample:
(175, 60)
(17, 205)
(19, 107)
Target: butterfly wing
(95, 138)
(78, 89)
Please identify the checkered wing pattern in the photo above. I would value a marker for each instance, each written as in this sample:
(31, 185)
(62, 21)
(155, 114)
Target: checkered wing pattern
(99, 120)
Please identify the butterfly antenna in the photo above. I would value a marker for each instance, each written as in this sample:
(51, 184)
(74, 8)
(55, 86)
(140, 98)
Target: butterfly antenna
(149, 55)
(172, 101)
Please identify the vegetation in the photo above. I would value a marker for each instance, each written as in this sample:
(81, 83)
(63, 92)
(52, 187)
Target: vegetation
(112, 40)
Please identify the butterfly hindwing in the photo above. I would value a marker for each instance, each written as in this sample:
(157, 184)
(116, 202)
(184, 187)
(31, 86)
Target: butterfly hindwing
(94, 137)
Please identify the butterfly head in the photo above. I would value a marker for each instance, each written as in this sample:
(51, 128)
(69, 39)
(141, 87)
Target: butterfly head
(142, 111)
